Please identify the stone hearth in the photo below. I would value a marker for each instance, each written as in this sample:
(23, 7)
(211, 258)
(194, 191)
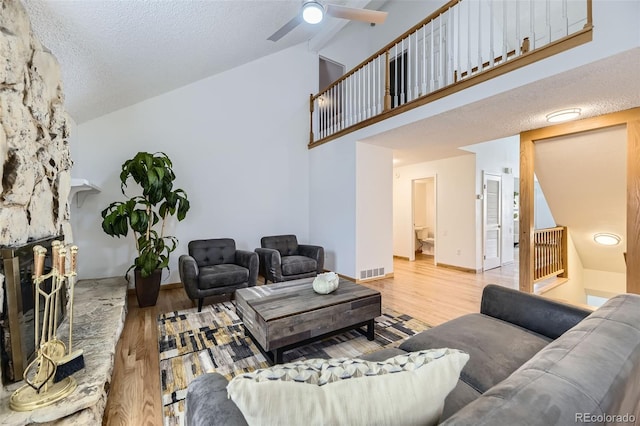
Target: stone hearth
(99, 312)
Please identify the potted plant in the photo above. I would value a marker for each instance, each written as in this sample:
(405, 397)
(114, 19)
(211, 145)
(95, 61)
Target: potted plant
(144, 214)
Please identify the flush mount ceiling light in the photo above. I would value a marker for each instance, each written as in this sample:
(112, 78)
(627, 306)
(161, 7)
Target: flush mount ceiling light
(312, 12)
(607, 239)
(563, 115)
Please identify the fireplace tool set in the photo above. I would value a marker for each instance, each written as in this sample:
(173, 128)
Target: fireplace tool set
(48, 377)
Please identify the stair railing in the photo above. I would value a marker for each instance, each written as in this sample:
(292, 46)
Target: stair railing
(550, 253)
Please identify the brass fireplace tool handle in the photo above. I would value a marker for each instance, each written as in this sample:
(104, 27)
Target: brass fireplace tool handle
(43, 387)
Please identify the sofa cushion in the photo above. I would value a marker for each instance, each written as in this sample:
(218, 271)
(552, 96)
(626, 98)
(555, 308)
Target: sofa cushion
(226, 274)
(496, 348)
(294, 265)
(591, 370)
(406, 389)
(213, 251)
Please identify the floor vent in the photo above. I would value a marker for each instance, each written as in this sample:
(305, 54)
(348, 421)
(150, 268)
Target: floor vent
(371, 273)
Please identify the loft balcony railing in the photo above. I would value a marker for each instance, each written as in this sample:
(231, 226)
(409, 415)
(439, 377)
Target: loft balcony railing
(463, 43)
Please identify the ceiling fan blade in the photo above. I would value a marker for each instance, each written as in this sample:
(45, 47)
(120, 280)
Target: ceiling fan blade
(284, 30)
(365, 15)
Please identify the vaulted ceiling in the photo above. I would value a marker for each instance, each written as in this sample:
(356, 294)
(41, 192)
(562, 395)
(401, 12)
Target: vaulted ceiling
(116, 53)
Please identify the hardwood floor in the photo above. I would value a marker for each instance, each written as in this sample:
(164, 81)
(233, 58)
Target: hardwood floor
(420, 289)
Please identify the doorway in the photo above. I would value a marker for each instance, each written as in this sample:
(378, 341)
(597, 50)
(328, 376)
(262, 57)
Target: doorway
(492, 212)
(424, 233)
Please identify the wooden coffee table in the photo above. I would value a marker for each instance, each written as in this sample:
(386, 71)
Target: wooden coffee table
(282, 316)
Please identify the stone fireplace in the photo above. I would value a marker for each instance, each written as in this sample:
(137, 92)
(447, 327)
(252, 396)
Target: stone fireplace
(35, 162)
(34, 149)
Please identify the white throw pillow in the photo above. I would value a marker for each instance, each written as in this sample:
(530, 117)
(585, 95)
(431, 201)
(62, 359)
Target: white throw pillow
(406, 389)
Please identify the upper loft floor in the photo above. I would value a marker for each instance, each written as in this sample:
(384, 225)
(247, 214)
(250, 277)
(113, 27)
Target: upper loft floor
(461, 44)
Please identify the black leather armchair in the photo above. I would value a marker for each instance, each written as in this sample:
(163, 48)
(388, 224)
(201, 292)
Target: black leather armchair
(283, 259)
(215, 267)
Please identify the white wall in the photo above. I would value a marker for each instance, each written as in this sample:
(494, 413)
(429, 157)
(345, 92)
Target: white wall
(374, 212)
(332, 204)
(455, 209)
(605, 282)
(493, 157)
(573, 291)
(238, 144)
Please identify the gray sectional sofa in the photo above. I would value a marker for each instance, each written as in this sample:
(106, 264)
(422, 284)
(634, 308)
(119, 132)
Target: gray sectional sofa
(532, 361)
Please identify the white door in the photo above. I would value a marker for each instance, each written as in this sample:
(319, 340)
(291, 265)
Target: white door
(492, 221)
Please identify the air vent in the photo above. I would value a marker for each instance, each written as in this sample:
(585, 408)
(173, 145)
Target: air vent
(371, 273)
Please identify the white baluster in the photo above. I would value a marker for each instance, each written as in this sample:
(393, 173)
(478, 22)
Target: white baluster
(432, 58)
(441, 53)
(449, 42)
(415, 59)
(359, 97)
(458, 42)
(402, 81)
(480, 61)
(492, 54)
(547, 18)
(334, 108)
(469, 66)
(395, 84)
(424, 60)
(504, 31)
(376, 85)
(368, 68)
(518, 39)
(565, 17)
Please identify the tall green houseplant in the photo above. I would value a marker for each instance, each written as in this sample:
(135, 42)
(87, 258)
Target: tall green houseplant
(146, 214)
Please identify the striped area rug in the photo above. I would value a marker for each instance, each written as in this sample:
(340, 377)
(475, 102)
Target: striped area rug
(192, 343)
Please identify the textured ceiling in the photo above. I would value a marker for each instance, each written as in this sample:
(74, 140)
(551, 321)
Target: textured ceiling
(114, 53)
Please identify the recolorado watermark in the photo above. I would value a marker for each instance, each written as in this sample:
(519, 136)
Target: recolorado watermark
(605, 418)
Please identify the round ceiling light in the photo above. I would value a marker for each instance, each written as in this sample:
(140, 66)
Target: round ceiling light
(312, 12)
(607, 239)
(563, 115)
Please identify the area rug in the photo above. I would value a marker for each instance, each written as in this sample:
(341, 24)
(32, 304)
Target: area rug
(193, 343)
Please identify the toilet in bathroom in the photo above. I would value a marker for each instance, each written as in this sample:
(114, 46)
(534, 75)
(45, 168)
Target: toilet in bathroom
(426, 239)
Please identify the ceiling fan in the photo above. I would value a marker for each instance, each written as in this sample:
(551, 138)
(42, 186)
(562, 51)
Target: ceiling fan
(313, 12)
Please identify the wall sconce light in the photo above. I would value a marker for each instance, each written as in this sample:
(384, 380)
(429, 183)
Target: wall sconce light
(563, 115)
(607, 239)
